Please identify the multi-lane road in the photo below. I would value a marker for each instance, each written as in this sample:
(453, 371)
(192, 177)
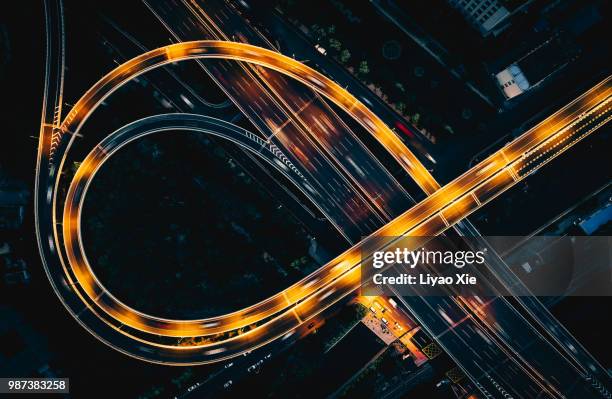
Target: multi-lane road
(362, 192)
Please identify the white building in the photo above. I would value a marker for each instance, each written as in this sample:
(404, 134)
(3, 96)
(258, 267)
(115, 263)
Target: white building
(512, 81)
(485, 15)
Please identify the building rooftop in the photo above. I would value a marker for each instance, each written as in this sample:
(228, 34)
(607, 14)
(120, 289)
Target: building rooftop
(512, 81)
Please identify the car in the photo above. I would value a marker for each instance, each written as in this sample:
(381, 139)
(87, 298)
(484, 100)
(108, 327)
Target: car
(442, 382)
(372, 309)
(384, 320)
(393, 303)
(230, 364)
(254, 367)
(193, 387)
(404, 129)
(186, 101)
(398, 326)
(321, 49)
(428, 156)
(228, 384)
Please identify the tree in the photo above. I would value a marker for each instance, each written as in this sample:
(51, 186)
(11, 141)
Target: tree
(318, 31)
(345, 55)
(335, 44)
(401, 107)
(364, 69)
(360, 311)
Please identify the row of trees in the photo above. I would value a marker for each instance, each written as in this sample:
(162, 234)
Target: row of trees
(325, 37)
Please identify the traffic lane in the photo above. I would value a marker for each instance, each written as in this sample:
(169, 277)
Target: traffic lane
(561, 118)
(462, 330)
(470, 347)
(584, 357)
(381, 187)
(531, 349)
(297, 97)
(241, 86)
(336, 136)
(463, 339)
(503, 320)
(341, 143)
(337, 189)
(346, 208)
(387, 138)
